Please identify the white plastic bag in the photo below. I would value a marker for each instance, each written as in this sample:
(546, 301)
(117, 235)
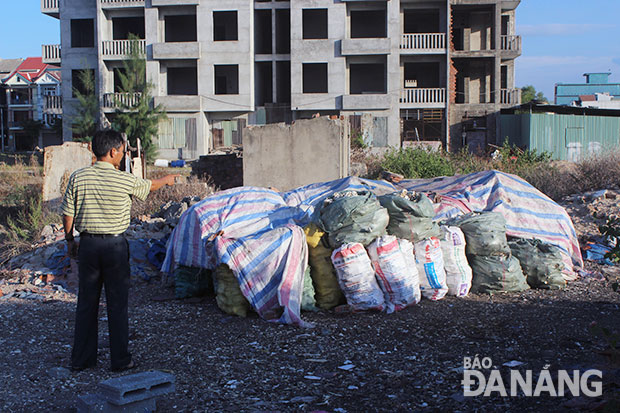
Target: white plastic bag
(458, 271)
(398, 281)
(356, 278)
(430, 265)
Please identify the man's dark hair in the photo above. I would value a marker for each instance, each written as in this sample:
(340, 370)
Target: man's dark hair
(104, 140)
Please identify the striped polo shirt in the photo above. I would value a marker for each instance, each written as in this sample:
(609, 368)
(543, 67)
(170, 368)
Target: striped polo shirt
(99, 198)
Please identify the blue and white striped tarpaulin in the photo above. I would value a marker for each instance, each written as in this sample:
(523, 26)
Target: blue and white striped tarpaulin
(528, 212)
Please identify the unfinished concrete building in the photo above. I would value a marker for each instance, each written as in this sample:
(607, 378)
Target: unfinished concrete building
(405, 70)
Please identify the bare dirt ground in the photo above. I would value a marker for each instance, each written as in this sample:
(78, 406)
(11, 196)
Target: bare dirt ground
(408, 361)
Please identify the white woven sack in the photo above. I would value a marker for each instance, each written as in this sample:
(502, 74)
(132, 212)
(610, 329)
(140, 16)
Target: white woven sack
(408, 252)
(458, 271)
(429, 260)
(356, 278)
(398, 281)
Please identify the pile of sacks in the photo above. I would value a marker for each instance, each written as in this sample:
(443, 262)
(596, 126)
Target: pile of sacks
(386, 253)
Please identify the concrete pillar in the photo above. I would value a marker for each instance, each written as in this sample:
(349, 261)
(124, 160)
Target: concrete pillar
(273, 52)
(151, 26)
(466, 81)
(467, 39)
(394, 84)
(497, 70)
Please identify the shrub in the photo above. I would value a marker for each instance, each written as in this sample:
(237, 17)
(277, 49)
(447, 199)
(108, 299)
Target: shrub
(25, 223)
(598, 172)
(465, 162)
(357, 140)
(611, 229)
(417, 163)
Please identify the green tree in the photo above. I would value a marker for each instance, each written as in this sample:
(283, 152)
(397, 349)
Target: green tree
(135, 114)
(32, 128)
(85, 121)
(528, 93)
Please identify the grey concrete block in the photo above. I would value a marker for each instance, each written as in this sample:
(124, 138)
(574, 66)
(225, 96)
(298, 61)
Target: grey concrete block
(135, 387)
(140, 406)
(90, 403)
(93, 403)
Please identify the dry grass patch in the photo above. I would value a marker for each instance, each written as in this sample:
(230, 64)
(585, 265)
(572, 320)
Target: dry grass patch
(192, 186)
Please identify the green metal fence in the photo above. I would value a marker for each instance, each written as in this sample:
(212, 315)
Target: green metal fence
(567, 137)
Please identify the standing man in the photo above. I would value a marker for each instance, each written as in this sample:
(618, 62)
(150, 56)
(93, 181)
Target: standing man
(97, 203)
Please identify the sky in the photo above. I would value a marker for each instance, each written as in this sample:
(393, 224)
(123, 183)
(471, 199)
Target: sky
(562, 39)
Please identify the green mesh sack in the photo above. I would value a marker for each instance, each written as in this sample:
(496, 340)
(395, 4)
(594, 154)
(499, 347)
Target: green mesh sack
(485, 233)
(411, 215)
(496, 273)
(541, 263)
(324, 279)
(192, 282)
(353, 216)
(308, 302)
(229, 297)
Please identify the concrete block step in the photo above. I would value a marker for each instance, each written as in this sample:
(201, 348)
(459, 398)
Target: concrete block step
(135, 387)
(93, 403)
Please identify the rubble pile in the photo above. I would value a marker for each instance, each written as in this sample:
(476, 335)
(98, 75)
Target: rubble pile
(26, 285)
(591, 209)
(48, 273)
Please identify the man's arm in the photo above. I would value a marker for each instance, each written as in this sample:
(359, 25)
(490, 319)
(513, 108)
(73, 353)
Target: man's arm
(67, 223)
(166, 180)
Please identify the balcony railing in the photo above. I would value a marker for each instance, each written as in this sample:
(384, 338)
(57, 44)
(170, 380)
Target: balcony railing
(51, 53)
(53, 103)
(423, 96)
(510, 97)
(122, 3)
(49, 6)
(120, 49)
(115, 100)
(511, 43)
(423, 41)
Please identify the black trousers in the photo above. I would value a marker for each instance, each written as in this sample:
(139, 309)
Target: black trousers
(102, 262)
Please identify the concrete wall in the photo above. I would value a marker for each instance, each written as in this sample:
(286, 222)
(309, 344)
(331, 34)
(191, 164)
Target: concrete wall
(289, 156)
(59, 163)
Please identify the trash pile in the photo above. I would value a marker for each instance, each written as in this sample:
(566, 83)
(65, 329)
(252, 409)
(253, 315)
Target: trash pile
(370, 245)
(28, 285)
(47, 271)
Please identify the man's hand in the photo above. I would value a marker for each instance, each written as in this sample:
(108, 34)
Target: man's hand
(166, 180)
(72, 247)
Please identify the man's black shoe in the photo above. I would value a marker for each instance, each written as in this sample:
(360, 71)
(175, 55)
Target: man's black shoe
(75, 369)
(131, 365)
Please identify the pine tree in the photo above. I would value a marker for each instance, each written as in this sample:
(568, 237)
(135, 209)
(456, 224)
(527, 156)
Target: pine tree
(135, 116)
(87, 108)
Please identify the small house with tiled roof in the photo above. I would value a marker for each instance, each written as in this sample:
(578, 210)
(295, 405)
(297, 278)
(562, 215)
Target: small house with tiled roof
(33, 106)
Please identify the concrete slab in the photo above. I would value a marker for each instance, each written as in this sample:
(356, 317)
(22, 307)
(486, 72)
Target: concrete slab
(58, 165)
(93, 403)
(289, 156)
(135, 387)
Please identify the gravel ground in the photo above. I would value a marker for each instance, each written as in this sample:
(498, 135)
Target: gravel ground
(407, 361)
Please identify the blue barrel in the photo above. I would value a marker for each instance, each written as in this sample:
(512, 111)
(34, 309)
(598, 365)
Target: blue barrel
(180, 163)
